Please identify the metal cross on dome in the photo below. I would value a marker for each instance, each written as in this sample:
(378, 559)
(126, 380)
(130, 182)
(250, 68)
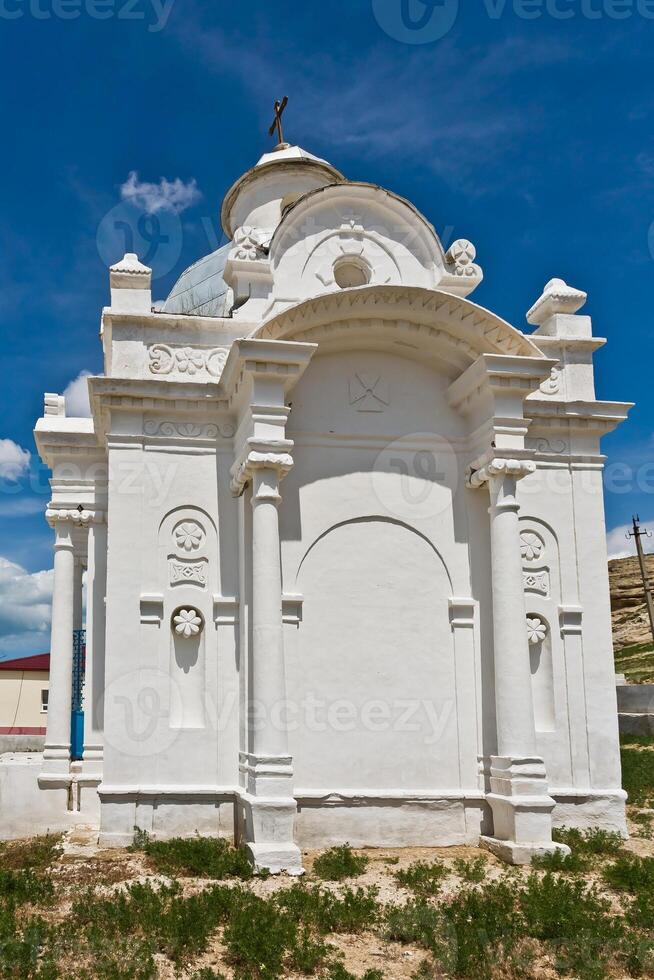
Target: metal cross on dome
(277, 122)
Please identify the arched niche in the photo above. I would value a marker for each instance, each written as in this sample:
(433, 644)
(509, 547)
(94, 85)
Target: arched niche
(187, 559)
(372, 672)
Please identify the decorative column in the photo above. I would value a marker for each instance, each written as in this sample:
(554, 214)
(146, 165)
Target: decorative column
(519, 796)
(269, 804)
(95, 648)
(56, 755)
(258, 376)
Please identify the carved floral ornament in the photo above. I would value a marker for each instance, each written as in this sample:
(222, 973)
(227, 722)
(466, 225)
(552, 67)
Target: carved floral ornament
(462, 255)
(532, 545)
(536, 630)
(187, 360)
(189, 536)
(187, 623)
(248, 244)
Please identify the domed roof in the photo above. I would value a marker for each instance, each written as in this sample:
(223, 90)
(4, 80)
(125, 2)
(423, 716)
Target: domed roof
(201, 289)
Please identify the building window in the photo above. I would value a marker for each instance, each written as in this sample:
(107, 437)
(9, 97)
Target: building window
(44, 701)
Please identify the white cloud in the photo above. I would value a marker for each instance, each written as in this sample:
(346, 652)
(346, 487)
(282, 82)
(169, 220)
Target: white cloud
(76, 394)
(620, 547)
(25, 609)
(14, 460)
(167, 195)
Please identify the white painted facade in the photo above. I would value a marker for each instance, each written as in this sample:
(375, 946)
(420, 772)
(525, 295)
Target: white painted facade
(351, 541)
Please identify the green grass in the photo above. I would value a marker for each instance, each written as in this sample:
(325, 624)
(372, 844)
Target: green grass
(636, 662)
(638, 775)
(507, 926)
(340, 863)
(205, 857)
(36, 854)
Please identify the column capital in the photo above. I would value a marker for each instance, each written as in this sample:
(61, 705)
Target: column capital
(75, 516)
(499, 467)
(261, 455)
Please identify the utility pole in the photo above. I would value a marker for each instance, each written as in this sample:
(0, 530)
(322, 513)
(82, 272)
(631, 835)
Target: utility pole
(638, 534)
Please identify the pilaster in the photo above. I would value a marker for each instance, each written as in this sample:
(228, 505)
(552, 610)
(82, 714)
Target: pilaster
(258, 376)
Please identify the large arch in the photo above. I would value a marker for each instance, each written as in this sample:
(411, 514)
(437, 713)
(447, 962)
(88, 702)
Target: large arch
(427, 324)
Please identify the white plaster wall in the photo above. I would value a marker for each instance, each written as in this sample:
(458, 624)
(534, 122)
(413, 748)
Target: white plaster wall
(149, 741)
(370, 545)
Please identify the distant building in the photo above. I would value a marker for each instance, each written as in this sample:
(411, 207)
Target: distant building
(24, 686)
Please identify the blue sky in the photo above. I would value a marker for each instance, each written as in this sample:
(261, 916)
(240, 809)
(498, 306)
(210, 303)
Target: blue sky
(524, 125)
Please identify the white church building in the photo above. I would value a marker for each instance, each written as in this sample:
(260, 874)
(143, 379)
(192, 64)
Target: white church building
(345, 540)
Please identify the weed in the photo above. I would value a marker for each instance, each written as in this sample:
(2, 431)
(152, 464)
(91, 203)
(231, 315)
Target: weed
(339, 863)
(20, 887)
(592, 841)
(354, 911)
(638, 775)
(630, 873)
(422, 878)
(338, 972)
(36, 854)
(393, 860)
(574, 919)
(481, 929)
(258, 937)
(474, 871)
(417, 922)
(204, 857)
(573, 863)
(308, 953)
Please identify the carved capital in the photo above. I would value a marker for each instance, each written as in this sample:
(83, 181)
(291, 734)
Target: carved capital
(78, 517)
(517, 468)
(259, 456)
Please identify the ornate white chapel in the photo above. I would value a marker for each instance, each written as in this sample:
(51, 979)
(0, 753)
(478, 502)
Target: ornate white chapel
(345, 546)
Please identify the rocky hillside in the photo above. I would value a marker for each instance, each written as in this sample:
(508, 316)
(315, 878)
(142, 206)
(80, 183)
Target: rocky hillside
(628, 610)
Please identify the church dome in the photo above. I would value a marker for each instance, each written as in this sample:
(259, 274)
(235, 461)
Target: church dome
(258, 199)
(255, 199)
(201, 289)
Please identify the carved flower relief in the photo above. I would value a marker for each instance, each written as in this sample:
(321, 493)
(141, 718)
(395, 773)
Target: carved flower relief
(248, 243)
(532, 546)
(189, 536)
(187, 623)
(536, 631)
(463, 254)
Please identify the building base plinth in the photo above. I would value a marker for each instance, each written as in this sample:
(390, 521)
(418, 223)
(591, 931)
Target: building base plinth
(522, 810)
(266, 829)
(514, 853)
